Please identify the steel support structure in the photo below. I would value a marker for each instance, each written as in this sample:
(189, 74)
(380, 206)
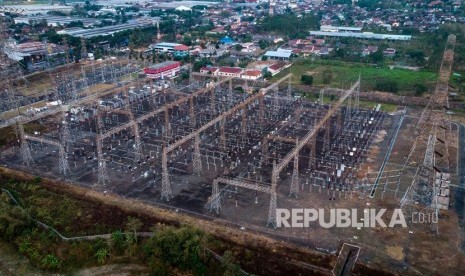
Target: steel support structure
(134, 124)
(166, 192)
(62, 160)
(303, 142)
(215, 202)
(196, 158)
(434, 122)
(102, 177)
(248, 101)
(295, 178)
(24, 147)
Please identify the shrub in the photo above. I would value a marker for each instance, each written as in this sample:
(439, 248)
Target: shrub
(387, 86)
(327, 76)
(420, 88)
(50, 261)
(306, 79)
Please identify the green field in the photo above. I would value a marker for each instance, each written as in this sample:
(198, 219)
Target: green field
(346, 73)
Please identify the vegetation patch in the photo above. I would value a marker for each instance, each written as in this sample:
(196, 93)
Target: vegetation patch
(343, 74)
(103, 234)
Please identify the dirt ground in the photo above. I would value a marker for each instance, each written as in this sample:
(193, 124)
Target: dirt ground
(394, 249)
(11, 263)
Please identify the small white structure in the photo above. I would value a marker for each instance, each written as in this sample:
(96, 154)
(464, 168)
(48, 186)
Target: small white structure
(183, 8)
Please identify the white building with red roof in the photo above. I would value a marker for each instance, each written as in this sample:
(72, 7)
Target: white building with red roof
(251, 74)
(209, 70)
(166, 69)
(277, 67)
(179, 50)
(229, 71)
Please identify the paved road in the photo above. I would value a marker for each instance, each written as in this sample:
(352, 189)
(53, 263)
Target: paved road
(459, 193)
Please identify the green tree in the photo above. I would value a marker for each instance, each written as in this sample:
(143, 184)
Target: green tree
(377, 57)
(267, 75)
(130, 244)
(387, 85)
(124, 19)
(327, 76)
(133, 225)
(420, 88)
(201, 63)
(263, 44)
(306, 79)
(178, 247)
(238, 47)
(290, 25)
(117, 240)
(13, 219)
(339, 53)
(229, 266)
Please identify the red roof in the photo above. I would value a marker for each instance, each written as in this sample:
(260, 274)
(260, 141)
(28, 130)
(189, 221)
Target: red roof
(233, 70)
(209, 69)
(276, 66)
(253, 73)
(162, 67)
(181, 48)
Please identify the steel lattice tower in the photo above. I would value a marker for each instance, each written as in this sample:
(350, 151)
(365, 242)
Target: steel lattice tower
(25, 150)
(102, 165)
(433, 129)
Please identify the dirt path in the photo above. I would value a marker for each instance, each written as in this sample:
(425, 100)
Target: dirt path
(11, 263)
(113, 270)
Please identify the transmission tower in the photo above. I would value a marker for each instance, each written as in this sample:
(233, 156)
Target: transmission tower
(135, 125)
(9, 71)
(433, 130)
(215, 203)
(25, 150)
(295, 177)
(273, 204)
(102, 165)
(63, 161)
(65, 136)
(165, 180)
(197, 161)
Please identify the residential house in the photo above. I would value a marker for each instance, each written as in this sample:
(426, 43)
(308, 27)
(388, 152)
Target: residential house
(229, 71)
(369, 50)
(389, 52)
(277, 67)
(209, 70)
(252, 74)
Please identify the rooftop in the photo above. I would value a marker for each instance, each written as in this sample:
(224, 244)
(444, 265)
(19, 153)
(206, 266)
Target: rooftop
(234, 70)
(339, 28)
(167, 44)
(279, 54)
(108, 30)
(366, 35)
(252, 73)
(163, 64)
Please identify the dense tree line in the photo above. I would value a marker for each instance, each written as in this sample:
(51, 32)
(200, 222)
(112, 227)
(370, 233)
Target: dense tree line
(290, 25)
